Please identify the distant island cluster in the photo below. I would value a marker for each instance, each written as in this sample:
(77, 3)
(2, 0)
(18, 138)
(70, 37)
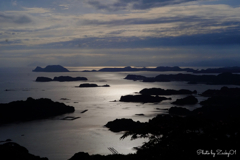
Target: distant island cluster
(226, 76)
(59, 68)
(177, 134)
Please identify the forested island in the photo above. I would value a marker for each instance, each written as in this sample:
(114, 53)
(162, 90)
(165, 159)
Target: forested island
(32, 109)
(60, 79)
(225, 78)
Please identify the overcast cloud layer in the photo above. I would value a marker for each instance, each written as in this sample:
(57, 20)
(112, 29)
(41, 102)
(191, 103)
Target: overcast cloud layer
(120, 32)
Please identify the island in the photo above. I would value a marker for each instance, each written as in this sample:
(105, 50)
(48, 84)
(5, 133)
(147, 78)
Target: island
(92, 85)
(142, 98)
(226, 78)
(132, 69)
(123, 124)
(32, 109)
(61, 79)
(234, 69)
(68, 78)
(160, 91)
(43, 79)
(189, 100)
(51, 68)
(224, 91)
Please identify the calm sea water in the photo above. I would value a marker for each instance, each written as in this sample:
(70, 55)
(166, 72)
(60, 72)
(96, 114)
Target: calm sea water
(58, 139)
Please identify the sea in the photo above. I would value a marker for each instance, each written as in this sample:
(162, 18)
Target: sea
(59, 139)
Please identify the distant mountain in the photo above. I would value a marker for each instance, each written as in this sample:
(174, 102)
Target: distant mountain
(51, 68)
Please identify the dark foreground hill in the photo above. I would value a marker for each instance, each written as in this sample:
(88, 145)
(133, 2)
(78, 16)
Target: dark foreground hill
(13, 151)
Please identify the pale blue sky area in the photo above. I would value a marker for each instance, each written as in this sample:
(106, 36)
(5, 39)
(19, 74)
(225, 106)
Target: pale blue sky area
(119, 32)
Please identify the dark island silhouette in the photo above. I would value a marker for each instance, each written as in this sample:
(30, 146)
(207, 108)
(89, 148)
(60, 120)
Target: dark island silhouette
(61, 79)
(13, 151)
(234, 69)
(131, 69)
(224, 91)
(189, 100)
(51, 68)
(59, 68)
(226, 78)
(122, 125)
(32, 109)
(142, 98)
(92, 85)
(160, 91)
(43, 79)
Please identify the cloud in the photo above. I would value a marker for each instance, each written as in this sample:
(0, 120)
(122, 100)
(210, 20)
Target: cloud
(21, 19)
(113, 30)
(229, 37)
(137, 21)
(64, 6)
(27, 10)
(117, 32)
(135, 4)
(14, 3)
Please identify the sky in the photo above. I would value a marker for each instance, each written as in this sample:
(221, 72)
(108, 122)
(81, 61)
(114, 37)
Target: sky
(119, 33)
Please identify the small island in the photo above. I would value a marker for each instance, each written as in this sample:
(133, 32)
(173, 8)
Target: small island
(92, 85)
(224, 91)
(189, 100)
(61, 79)
(32, 109)
(160, 91)
(51, 68)
(123, 124)
(226, 78)
(142, 98)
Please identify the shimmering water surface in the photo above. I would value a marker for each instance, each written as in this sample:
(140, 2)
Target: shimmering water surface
(58, 139)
